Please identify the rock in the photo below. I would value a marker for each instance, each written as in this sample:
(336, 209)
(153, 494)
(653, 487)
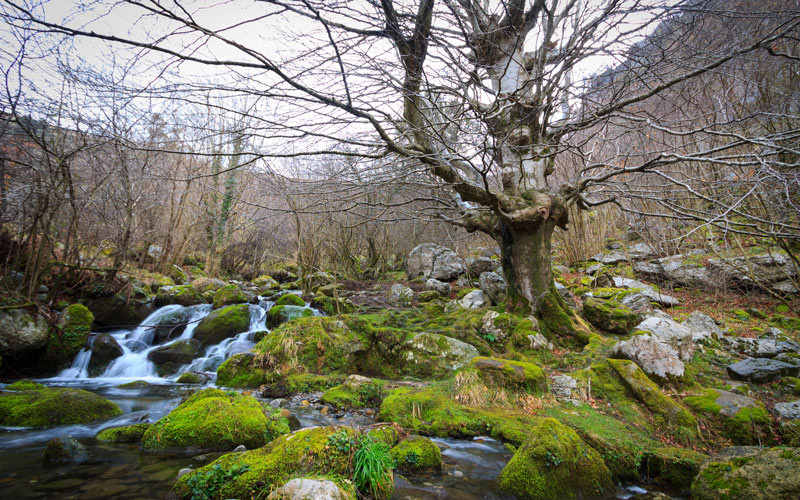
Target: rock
(784, 287)
(539, 342)
(508, 374)
(671, 333)
(654, 358)
(641, 251)
(494, 286)
(417, 454)
(593, 269)
(304, 489)
(290, 299)
(761, 370)
(278, 315)
(751, 473)
(439, 286)
(240, 449)
(475, 299)
(747, 272)
(266, 283)
(183, 472)
(637, 302)
(401, 295)
(555, 463)
(184, 295)
(740, 418)
(318, 279)
(564, 293)
(119, 311)
(435, 261)
(702, 326)
(609, 258)
(170, 357)
(204, 285)
(213, 420)
(685, 272)
(791, 358)
(759, 348)
(65, 450)
(355, 381)
(332, 306)
(154, 252)
(790, 410)
(28, 404)
(650, 271)
(434, 354)
(223, 323)
(562, 386)
(172, 324)
(491, 330)
(20, 333)
(609, 315)
(648, 291)
(126, 434)
(233, 294)
(105, 349)
(480, 265)
(464, 282)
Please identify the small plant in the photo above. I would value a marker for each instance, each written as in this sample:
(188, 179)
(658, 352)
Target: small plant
(552, 459)
(204, 485)
(341, 441)
(372, 468)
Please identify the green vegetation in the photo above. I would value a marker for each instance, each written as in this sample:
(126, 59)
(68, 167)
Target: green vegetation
(290, 299)
(417, 454)
(347, 396)
(204, 485)
(223, 323)
(229, 295)
(35, 405)
(127, 434)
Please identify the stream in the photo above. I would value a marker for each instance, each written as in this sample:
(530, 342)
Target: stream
(123, 471)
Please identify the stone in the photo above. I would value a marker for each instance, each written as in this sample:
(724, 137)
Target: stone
(681, 271)
(21, 333)
(637, 302)
(761, 370)
(609, 258)
(565, 294)
(184, 295)
(223, 323)
(562, 386)
(751, 473)
(671, 333)
(702, 326)
(494, 286)
(650, 271)
(609, 315)
(438, 286)
(154, 252)
(105, 349)
(435, 261)
(480, 265)
(417, 454)
(759, 348)
(653, 357)
(648, 291)
(401, 296)
(490, 329)
(539, 342)
(170, 357)
(790, 358)
(641, 251)
(355, 381)
(183, 472)
(240, 449)
(119, 311)
(475, 299)
(593, 269)
(438, 354)
(29, 404)
(65, 450)
(232, 294)
(305, 489)
(463, 282)
(204, 285)
(509, 374)
(790, 410)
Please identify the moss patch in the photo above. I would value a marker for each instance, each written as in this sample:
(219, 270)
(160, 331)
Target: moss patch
(290, 299)
(126, 434)
(38, 406)
(417, 454)
(228, 295)
(508, 374)
(362, 396)
(223, 323)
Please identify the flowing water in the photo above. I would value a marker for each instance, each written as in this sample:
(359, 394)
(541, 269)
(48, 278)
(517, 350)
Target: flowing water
(123, 471)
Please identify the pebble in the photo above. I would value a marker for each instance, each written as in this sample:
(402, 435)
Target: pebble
(324, 410)
(305, 403)
(183, 472)
(240, 449)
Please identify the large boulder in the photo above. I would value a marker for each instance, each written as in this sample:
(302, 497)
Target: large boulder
(702, 326)
(761, 370)
(750, 473)
(125, 434)
(119, 311)
(65, 450)
(740, 418)
(435, 261)
(266, 283)
(170, 357)
(648, 291)
(231, 294)
(759, 348)
(657, 360)
(494, 286)
(213, 420)
(556, 464)
(440, 287)
(433, 354)
(669, 332)
(475, 299)
(223, 323)
(278, 315)
(204, 285)
(21, 333)
(609, 315)
(509, 374)
(290, 299)
(479, 265)
(417, 454)
(184, 295)
(400, 295)
(789, 410)
(28, 404)
(306, 489)
(105, 349)
(748, 272)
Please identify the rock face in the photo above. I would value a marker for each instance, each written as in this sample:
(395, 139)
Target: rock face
(609, 315)
(555, 463)
(401, 295)
(435, 354)
(702, 326)
(790, 410)
(223, 323)
(759, 348)
(670, 333)
(750, 473)
(28, 404)
(475, 299)
(20, 333)
(303, 489)
(170, 357)
(761, 370)
(494, 286)
(435, 261)
(655, 359)
(105, 349)
(480, 265)
(648, 291)
(65, 450)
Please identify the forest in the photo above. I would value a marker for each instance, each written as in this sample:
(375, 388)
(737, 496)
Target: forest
(400, 249)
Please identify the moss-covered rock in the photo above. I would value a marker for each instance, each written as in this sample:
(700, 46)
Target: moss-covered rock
(266, 283)
(749, 473)
(290, 299)
(189, 378)
(231, 294)
(34, 405)
(184, 295)
(213, 420)
(170, 357)
(125, 434)
(674, 467)
(136, 384)
(348, 395)
(508, 374)
(609, 315)
(417, 454)
(204, 285)
(119, 310)
(75, 324)
(556, 464)
(332, 306)
(223, 323)
(431, 355)
(21, 333)
(278, 315)
(64, 450)
(240, 371)
(740, 418)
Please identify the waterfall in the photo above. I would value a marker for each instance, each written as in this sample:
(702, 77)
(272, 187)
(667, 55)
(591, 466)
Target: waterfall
(80, 366)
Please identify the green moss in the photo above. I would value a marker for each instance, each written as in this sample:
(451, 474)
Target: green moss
(749, 425)
(556, 464)
(674, 467)
(332, 306)
(229, 294)
(24, 385)
(277, 315)
(239, 371)
(126, 434)
(791, 384)
(417, 454)
(362, 396)
(67, 339)
(389, 434)
(189, 378)
(609, 315)
(136, 384)
(785, 322)
(290, 299)
(39, 406)
(185, 295)
(557, 322)
(223, 323)
(428, 295)
(508, 374)
(215, 420)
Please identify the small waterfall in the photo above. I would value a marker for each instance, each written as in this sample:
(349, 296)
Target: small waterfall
(80, 366)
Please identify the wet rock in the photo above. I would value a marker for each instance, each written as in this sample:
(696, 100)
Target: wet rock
(475, 299)
(232, 294)
(750, 473)
(434, 354)
(21, 333)
(655, 358)
(790, 410)
(105, 349)
(29, 404)
(702, 326)
(223, 323)
(170, 357)
(435, 261)
(303, 488)
(761, 370)
(494, 286)
(65, 450)
(401, 295)
(125, 434)
(417, 454)
(438, 286)
(670, 333)
(192, 378)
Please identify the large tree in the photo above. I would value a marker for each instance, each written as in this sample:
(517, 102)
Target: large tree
(487, 97)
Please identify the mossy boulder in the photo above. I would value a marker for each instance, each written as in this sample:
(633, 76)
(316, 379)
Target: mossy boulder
(105, 349)
(609, 315)
(170, 357)
(184, 295)
(223, 323)
(290, 299)
(34, 405)
(742, 419)
(432, 354)
(350, 395)
(750, 473)
(213, 420)
(332, 306)
(317, 451)
(417, 454)
(231, 294)
(64, 450)
(554, 463)
(204, 285)
(266, 283)
(189, 378)
(278, 315)
(511, 375)
(125, 434)
(74, 325)
(674, 467)
(240, 371)
(119, 310)
(21, 333)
